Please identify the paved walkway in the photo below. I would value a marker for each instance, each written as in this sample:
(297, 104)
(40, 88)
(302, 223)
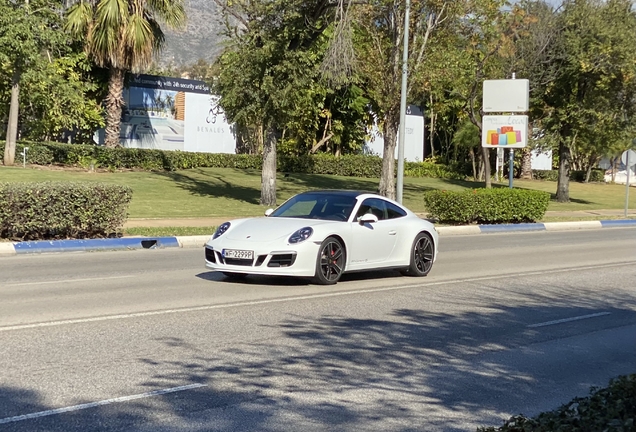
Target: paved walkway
(215, 221)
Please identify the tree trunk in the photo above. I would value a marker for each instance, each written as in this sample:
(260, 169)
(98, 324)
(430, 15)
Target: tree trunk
(486, 158)
(268, 174)
(472, 159)
(114, 102)
(588, 173)
(12, 126)
(563, 184)
(526, 164)
(387, 179)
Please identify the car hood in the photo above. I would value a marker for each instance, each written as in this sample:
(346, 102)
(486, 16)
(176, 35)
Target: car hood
(267, 229)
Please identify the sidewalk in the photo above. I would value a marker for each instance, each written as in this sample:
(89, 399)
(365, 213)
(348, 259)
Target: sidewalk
(216, 221)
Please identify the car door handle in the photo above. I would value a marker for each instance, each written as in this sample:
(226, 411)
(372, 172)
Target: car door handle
(392, 232)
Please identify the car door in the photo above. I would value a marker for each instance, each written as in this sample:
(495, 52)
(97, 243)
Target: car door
(372, 243)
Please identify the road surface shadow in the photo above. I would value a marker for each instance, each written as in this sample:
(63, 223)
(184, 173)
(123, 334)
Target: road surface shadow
(407, 369)
(249, 280)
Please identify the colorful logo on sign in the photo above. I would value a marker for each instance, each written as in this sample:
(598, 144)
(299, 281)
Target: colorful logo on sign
(505, 135)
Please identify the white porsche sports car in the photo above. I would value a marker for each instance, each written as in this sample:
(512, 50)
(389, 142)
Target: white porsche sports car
(323, 234)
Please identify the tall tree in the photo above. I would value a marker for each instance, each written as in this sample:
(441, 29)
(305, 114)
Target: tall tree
(533, 59)
(591, 100)
(122, 36)
(268, 73)
(379, 26)
(29, 30)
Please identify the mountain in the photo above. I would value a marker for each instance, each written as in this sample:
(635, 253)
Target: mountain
(201, 38)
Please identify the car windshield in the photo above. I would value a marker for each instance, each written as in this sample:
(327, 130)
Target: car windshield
(317, 206)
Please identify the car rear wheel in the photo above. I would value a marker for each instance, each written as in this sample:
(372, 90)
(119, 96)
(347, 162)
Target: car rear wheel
(422, 255)
(330, 262)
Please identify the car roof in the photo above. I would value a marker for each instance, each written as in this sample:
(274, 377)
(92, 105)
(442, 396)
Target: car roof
(339, 192)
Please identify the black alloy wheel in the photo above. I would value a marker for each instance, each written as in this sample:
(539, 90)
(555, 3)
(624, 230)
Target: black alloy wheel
(422, 255)
(330, 262)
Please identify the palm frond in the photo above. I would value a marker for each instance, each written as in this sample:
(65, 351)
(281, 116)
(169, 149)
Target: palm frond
(139, 41)
(79, 18)
(172, 12)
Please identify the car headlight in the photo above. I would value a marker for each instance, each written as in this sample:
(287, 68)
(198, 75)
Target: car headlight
(221, 230)
(301, 235)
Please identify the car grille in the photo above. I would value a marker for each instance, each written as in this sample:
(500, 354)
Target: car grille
(209, 255)
(282, 260)
(278, 260)
(260, 260)
(238, 262)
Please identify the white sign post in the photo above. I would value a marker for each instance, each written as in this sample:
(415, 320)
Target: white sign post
(511, 131)
(629, 159)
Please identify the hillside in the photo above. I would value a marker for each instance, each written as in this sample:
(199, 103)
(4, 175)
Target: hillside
(201, 38)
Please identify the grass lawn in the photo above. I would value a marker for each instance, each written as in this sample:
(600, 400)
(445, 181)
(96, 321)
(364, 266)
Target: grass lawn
(221, 192)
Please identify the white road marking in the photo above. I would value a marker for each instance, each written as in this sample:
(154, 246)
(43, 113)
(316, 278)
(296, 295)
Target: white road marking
(564, 320)
(294, 298)
(68, 281)
(98, 403)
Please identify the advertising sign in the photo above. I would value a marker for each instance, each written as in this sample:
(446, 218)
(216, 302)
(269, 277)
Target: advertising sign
(174, 114)
(413, 139)
(507, 95)
(509, 131)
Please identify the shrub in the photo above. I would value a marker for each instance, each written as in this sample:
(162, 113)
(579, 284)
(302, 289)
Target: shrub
(610, 409)
(160, 160)
(434, 170)
(487, 206)
(59, 210)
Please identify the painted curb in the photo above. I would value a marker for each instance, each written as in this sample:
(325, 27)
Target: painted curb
(132, 243)
(193, 241)
(570, 226)
(458, 230)
(128, 243)
(511, 228)
(7, 249)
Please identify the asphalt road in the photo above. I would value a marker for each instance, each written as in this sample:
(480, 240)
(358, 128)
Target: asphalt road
(151, 341)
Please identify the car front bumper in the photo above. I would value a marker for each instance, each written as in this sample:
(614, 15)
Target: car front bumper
(293, 260)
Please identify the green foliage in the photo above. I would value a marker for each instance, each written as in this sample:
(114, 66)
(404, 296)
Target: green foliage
(123, 34)
(455, 171)
(163, 160)
(487, 206)
(270, 79)
(57, 92)
(579, 176)
(57, 210)
(610, 409)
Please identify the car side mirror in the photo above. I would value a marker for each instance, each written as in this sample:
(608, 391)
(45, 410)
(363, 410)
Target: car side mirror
(269, 211)
(367, 218)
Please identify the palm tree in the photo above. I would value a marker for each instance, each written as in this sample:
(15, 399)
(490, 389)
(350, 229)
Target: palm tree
(122, 36)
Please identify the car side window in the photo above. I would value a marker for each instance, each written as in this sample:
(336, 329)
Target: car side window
(373, 205)
(394, 212)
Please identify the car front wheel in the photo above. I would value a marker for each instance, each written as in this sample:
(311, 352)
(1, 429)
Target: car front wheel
(330, 262)
(422, 255)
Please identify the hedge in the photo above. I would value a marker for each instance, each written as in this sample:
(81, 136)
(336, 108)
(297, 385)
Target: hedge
(147, 159)
(597, 175)
(486, 206)
(610, 409)
(61, 210)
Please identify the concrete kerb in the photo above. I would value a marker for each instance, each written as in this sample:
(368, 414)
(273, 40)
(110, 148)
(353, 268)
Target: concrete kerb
(131, 243)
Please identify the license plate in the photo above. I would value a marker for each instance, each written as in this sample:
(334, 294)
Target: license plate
(238, 254)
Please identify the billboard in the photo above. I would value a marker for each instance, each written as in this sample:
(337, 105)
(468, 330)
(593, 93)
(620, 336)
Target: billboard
(507, 131)
(506, 95)
(174, 114)
(413, 139)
